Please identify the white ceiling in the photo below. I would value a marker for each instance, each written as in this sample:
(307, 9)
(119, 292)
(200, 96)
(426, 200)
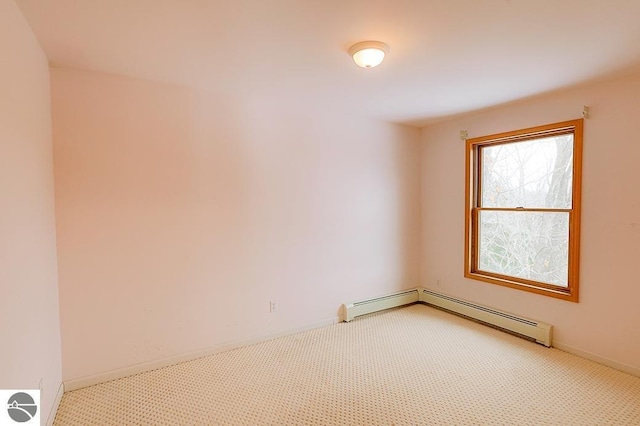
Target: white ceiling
(447, 56)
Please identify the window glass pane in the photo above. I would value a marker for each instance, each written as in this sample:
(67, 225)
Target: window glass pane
(531, 174)
(529, 245)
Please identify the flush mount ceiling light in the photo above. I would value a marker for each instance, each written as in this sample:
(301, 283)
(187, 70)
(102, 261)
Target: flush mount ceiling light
(368, 54)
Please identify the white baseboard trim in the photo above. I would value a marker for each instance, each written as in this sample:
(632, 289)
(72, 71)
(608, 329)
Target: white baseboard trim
(107, 376)
(56, 403)
(596, 358)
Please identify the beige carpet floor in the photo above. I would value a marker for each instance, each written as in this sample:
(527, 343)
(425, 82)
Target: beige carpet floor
(410, 366)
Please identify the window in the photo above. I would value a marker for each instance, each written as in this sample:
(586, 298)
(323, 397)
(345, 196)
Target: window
(523, 209)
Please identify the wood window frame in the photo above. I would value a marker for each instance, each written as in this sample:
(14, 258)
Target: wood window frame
(472, 208)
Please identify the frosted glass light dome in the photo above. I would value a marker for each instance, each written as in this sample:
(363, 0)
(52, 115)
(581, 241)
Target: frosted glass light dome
(368, 54)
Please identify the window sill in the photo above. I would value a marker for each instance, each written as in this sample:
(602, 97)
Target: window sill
(551, 291)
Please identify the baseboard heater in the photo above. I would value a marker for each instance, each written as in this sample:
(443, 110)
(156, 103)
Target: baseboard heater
(363, 307)
(535, 330)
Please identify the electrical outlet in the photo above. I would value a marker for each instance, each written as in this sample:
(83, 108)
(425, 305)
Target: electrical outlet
(272, 306)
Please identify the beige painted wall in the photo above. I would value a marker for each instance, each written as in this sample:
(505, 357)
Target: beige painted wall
(606, 321)
(29, 318)
(181, 214)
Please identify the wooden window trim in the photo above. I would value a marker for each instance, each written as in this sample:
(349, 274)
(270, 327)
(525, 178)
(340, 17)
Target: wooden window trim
(472, 191)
